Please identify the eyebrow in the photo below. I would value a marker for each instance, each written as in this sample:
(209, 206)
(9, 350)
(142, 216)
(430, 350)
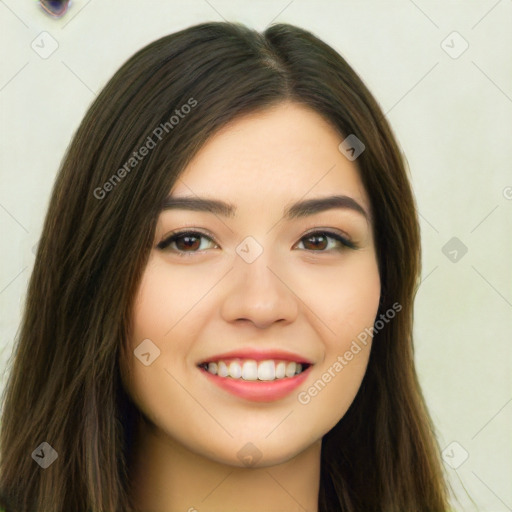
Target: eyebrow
(296, 210)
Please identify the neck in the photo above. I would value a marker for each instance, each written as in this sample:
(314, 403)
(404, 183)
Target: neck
(167, 477)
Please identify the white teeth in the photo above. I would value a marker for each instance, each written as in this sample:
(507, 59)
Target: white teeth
(252, 370)
(290, 369)
(280, 370)
(222, 370)
(266, 370)
(235, 370)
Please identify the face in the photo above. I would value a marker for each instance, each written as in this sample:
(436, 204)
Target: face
(246, 324)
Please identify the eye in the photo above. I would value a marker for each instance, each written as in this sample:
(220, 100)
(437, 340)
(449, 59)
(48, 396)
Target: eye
(190, 242)
(320, 240)
(185, 242)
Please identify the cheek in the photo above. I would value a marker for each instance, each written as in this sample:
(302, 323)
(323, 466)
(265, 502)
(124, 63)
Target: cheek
(154, 314)
(164, 298)
(356, 301)
(167, 304)
(347, 308)
(345, 300)
(148, 314)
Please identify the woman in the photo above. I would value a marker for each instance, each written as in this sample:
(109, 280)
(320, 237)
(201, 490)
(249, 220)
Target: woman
(267, 367)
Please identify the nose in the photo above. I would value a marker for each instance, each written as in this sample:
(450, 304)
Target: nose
(259, 294)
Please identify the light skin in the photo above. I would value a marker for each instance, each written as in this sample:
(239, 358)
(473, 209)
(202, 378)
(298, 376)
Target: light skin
(308, 295)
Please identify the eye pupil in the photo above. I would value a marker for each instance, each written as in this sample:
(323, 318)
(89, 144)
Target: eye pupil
(188, 241)
(316, 239)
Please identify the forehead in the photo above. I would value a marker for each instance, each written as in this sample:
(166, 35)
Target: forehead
(285, 152)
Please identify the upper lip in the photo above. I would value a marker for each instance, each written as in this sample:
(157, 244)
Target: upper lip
(258, 355)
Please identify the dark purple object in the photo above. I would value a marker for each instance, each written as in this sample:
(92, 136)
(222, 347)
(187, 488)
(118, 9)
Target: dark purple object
(56, 8)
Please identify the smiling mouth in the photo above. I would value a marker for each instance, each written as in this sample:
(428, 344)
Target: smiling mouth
(252, 370)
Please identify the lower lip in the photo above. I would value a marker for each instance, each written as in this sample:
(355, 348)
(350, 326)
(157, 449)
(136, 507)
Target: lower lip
(258, 390)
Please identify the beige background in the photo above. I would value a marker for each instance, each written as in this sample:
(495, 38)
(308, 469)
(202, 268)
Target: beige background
(451, 109)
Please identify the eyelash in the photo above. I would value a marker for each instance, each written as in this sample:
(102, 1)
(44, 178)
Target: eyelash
(164, 244)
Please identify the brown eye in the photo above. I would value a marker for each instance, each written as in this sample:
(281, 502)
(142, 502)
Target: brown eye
(184, 242)
(318, 241)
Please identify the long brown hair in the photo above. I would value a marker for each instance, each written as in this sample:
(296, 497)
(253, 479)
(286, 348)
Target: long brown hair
(64, 386)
